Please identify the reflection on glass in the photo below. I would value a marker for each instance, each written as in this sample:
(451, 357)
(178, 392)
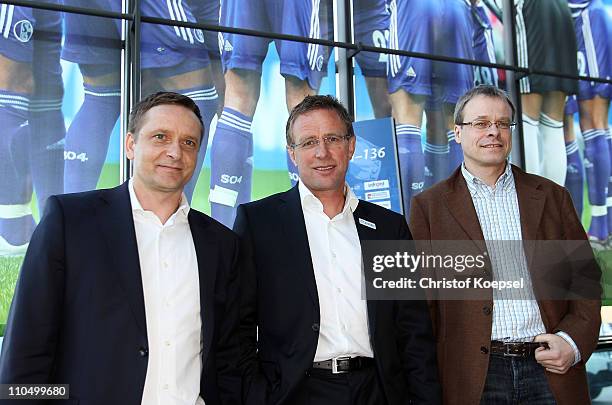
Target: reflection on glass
(31, 92)
(39, 95)
(592, 23)
(93, 44)
(31, 153)
(545, 41)
(371, 27)
(303, 66)
(421, 85)
(184, 60)
(599, 367)
(292, 17)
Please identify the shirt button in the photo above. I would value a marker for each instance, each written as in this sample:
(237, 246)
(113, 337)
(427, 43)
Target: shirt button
(165, 264)
(484, 350)
(315, 327)
(165, 386)
(143, 352)
(486, 310)
(333, 254)
(343, 327)
(167, 343)
(339, 290)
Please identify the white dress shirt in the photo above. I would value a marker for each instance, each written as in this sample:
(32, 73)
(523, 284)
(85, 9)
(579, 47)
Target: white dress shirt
(170, 282)
(336, 258)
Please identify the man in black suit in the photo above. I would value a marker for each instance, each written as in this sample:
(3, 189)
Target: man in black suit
(127, 294)
(307, 336)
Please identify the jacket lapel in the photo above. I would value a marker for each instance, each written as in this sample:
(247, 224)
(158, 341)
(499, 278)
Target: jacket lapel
(531, 206)
(206, 254)
(531, 203)
(460, 205)
(294, 229)
(362, 216)
(114, 215)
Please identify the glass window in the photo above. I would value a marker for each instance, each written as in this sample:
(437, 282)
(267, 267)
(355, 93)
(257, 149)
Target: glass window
(453, 28)
(420, 95)
(308, 19)
(59, 107)
(599, 374)
(94, 5)
(576, 35)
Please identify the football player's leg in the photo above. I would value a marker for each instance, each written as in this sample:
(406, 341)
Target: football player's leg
(46, 117)
(554, 163)
(574, 179)
(16, 221)
(593, 121)
(408, 114)
(89, 133)
(87, 138)
(532, 104)
(16, 87)
(436, 147)
(409, 83)
(453, 38)
(232, 146)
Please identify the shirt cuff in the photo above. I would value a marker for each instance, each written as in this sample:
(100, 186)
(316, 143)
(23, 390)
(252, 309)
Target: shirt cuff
(569, 340)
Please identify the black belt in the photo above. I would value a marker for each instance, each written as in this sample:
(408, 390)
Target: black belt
(344, 364)
(516, 349)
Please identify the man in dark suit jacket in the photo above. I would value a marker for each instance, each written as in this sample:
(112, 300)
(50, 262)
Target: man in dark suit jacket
(538, 338)
(308, 336)
(126, 294)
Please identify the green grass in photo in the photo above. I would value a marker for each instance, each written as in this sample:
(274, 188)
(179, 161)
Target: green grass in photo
(9, 272)
(265, 183)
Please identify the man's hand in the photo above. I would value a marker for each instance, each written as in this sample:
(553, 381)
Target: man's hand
(558, 358)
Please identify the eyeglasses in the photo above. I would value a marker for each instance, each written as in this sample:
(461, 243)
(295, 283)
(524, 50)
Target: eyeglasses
(332, 141)
(485, 124)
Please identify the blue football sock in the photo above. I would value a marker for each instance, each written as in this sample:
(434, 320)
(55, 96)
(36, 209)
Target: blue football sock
(609, 199)
(16, 221)
(456, 153)
(597, 168)
(411, 162)
(436, 163)
(88, 136)
(231, 161)
(207, 101)
(574, 180)
(292, 170)
(47, 132)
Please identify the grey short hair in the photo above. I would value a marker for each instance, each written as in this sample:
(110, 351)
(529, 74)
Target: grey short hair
(482, 90)
(311, 103)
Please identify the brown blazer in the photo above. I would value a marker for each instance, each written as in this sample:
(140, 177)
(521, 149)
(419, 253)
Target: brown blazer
(463, 328)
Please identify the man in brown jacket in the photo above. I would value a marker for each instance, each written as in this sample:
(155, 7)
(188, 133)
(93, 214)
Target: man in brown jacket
(522, 348)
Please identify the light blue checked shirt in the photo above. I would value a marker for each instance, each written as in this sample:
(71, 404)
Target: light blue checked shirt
(516, 315)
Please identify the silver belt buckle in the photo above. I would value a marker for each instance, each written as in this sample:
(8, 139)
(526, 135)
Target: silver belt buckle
(335, 364)
(507, 346)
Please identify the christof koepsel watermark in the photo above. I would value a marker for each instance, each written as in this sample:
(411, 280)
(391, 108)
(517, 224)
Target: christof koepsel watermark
(430, 283)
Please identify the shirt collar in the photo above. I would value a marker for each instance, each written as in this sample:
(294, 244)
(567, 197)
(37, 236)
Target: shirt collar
(505, 181)
(182, 210)
(310, 200)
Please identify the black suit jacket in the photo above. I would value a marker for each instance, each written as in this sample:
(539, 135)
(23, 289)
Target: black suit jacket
(78, 314)
(280, 307)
